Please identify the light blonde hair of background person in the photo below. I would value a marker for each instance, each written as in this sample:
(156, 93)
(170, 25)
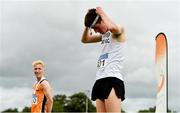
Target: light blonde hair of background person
(38, 62)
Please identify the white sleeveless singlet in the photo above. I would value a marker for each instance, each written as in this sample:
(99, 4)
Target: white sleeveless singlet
(110, 62)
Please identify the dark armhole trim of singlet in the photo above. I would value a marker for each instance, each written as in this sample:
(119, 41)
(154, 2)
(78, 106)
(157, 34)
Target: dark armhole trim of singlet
(43, 104)
(42, 80)
(44, 100)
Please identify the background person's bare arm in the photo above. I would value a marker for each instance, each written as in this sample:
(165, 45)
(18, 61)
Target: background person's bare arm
(48, 93)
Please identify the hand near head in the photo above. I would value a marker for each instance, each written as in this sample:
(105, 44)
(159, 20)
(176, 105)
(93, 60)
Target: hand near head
(108, 22)
(99, 11)
(111, 25)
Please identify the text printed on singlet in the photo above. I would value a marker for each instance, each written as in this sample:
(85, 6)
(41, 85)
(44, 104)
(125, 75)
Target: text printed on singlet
(103, 59)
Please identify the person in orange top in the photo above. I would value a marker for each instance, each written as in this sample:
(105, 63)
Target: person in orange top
(42, 100)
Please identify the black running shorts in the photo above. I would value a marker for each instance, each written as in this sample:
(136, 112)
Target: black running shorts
(103, 87)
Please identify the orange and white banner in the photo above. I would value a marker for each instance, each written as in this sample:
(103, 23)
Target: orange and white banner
(161, 61)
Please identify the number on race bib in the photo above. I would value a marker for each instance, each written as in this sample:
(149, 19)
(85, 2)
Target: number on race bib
(34, 99)
(102, 60)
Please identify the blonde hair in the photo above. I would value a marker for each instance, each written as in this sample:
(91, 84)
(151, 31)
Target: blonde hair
(38, 62)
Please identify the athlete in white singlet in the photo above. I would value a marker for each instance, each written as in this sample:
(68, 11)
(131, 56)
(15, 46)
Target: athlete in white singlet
(108, 90)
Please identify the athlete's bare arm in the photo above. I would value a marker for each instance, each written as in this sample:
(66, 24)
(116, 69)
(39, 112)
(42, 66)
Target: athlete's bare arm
(117, 30)
(87, 37)
(48, 93)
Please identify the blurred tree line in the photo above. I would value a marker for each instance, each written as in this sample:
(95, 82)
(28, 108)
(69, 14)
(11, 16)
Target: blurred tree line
(61, 103)
(152, 110)
(77, 102)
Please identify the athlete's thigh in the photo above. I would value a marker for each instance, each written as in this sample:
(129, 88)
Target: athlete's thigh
(113, 103)
(100, 106)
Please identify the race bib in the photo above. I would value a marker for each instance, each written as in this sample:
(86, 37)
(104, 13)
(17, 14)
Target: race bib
(34, 99)
(102, 61)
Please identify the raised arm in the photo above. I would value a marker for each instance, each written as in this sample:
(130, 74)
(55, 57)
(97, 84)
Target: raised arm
(117, 30)
(87, 37)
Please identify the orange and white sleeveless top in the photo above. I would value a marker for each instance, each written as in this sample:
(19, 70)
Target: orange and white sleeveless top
(38, 98)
